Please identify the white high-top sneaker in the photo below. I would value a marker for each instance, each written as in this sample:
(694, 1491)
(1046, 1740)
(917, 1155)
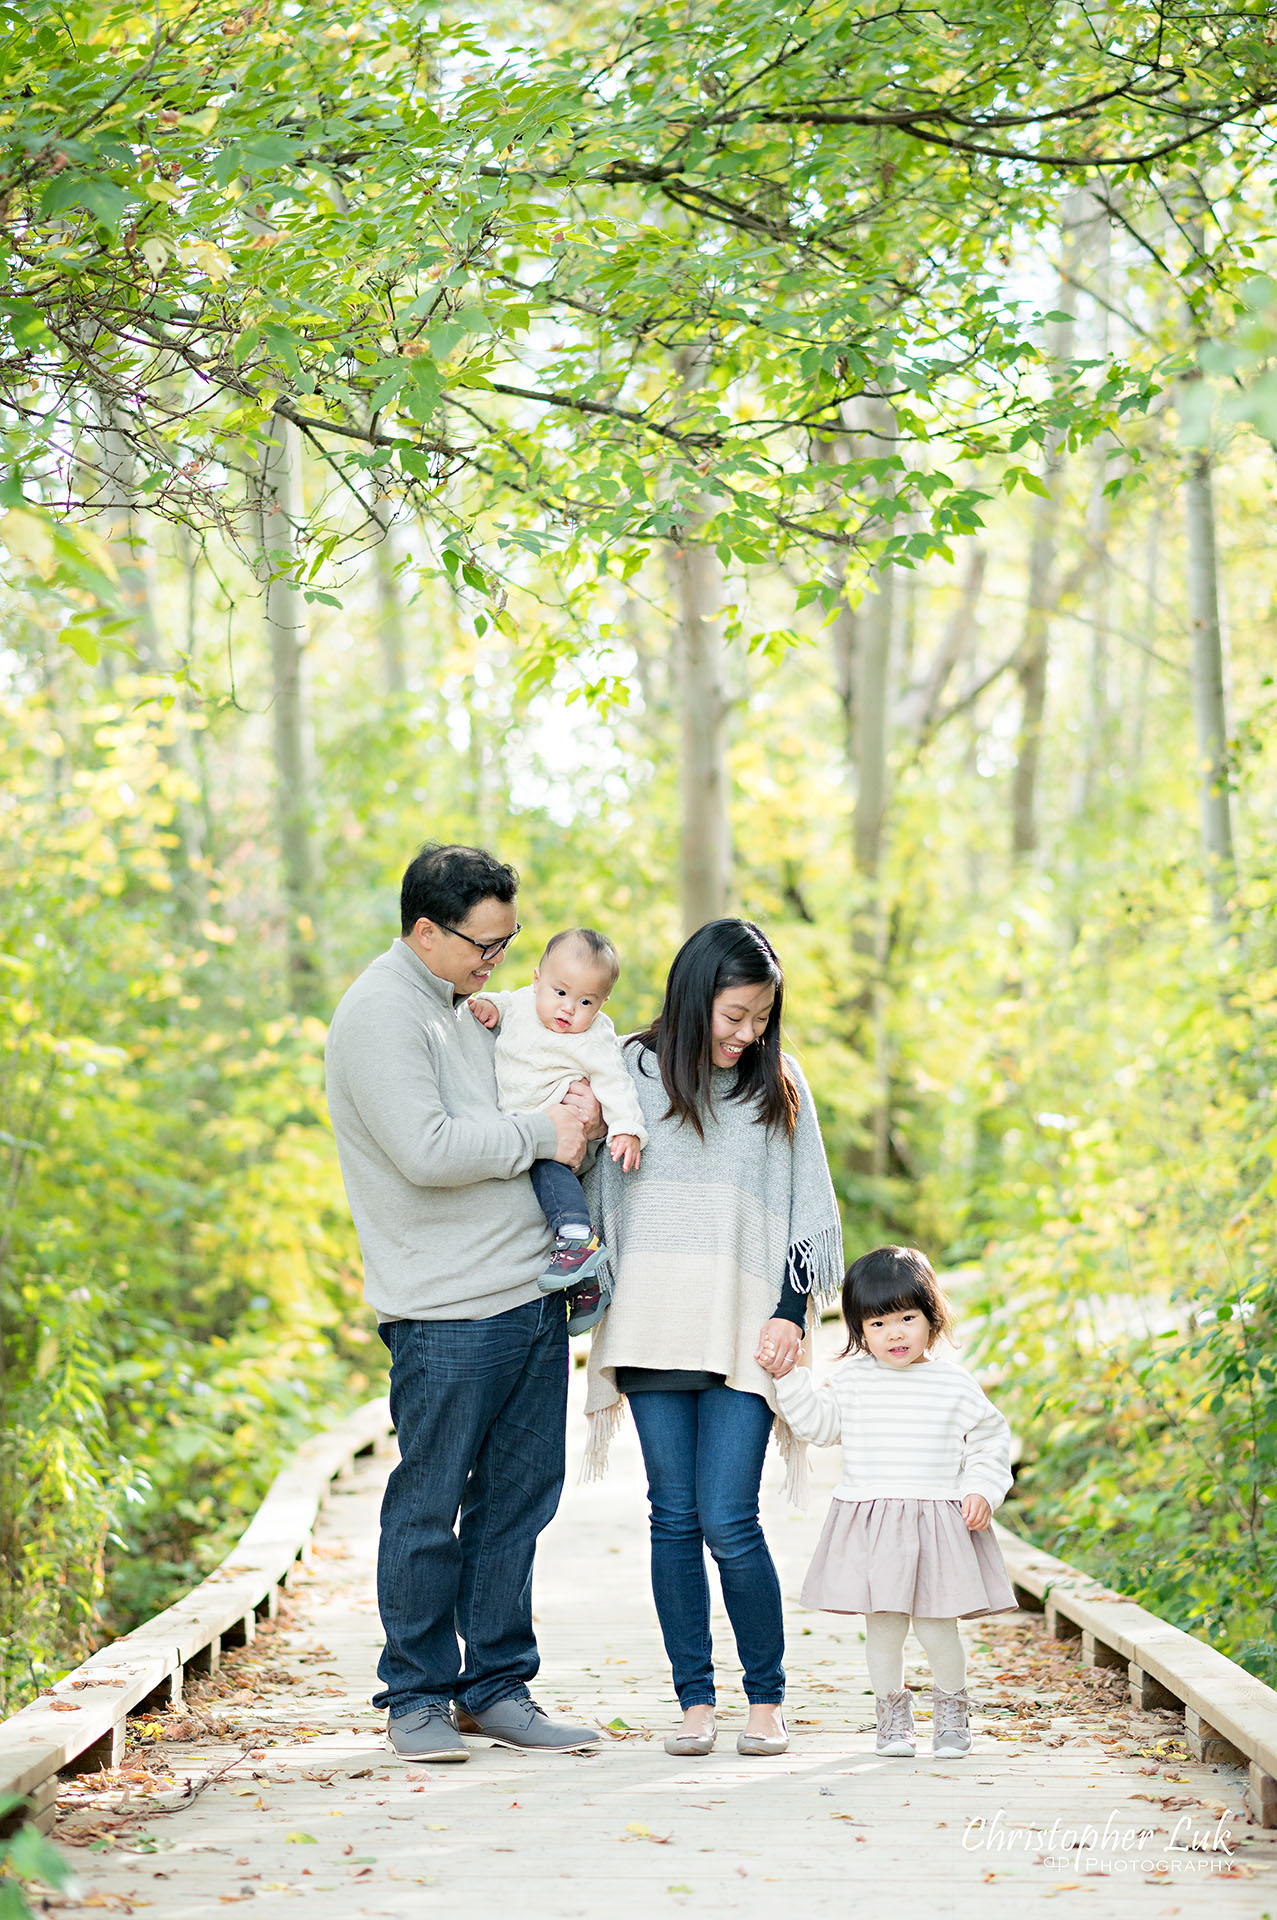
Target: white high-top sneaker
(950, 1723)
(895, 1724)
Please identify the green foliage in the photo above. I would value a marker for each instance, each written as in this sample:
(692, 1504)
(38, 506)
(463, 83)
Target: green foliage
(1126, 1297)
(26, 1859)
(177, 1261)
(602, 270)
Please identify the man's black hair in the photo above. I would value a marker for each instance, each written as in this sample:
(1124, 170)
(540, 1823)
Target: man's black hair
(444, 884)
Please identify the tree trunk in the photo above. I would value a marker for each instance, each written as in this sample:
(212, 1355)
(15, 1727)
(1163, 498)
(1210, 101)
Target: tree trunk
(1096, 718)
(1032, 668)
(921, 708)
(1209, 716)
(1095, 707)
(280, 516)
(110, 485)
(706, 781)
(1210, 721)
(390, 622)
(1152, 627)
(873, 726)
(192, 814)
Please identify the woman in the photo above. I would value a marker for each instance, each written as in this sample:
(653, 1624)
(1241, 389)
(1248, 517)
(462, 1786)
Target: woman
(728, 1226)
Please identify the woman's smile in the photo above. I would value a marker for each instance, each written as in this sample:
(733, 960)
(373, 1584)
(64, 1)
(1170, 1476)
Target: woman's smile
(739, 1017)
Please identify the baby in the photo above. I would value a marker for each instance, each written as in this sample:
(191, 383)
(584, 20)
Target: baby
(550, 1034)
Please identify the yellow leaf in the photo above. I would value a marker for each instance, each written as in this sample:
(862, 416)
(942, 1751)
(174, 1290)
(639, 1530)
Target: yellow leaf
(29, 537)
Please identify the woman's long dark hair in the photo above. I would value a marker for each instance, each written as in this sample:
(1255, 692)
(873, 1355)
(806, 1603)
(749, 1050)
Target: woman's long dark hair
(725, 953)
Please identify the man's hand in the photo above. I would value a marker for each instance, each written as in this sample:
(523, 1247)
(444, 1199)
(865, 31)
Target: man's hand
(484, 1011)
(569, 1134)
(581, 1096)
(626, 1149)
(976, 1511)
(779, 1345)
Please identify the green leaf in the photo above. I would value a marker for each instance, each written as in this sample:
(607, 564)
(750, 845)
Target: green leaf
(102, 198)
(83, 641)
(266, 151)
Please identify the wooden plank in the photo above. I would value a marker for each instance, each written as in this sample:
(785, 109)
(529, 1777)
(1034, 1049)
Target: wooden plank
(1236, 1710)
(78, 1724)
(1261, 1796)
(1146, 1691)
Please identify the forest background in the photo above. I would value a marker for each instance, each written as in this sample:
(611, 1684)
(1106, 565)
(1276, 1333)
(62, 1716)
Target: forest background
(812, 461)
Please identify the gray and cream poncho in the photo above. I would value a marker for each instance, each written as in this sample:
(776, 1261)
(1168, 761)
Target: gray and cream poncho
(701, 1238)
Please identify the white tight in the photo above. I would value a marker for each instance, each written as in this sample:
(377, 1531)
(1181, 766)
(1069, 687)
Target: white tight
(885, 1651)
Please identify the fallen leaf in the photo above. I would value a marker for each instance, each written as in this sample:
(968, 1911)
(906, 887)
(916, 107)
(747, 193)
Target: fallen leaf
(302, 1839)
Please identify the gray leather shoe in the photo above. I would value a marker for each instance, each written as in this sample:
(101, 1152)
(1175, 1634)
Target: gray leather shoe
(427, 1733)
(691, 1746)
(760, 1745)
(520, 1722)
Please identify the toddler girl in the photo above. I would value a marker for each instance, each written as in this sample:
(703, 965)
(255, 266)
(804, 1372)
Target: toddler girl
(550, 1034)
(925, 1460)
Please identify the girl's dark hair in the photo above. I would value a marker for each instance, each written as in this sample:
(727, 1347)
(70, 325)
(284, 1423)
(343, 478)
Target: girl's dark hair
(725, 953)
(891, 1280)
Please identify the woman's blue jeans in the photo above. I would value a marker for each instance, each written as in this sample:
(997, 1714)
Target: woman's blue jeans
(704, 1458)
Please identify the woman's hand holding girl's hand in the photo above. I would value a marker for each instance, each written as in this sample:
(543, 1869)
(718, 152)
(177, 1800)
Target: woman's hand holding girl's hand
(626, 1149)
(484, 1011)
(976, 1511)
(779, 1345)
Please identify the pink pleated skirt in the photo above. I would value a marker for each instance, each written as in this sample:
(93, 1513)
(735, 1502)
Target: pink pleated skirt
(906, 1556)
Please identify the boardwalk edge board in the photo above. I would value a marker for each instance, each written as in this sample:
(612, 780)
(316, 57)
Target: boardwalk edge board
(78, 1725)
(1230, 1717)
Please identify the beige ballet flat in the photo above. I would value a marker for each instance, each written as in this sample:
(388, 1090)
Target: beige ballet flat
(691, 1746)
(760, 1745)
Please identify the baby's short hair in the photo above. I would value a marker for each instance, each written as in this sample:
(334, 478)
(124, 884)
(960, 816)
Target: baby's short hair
(599, 947)
(892, 1280)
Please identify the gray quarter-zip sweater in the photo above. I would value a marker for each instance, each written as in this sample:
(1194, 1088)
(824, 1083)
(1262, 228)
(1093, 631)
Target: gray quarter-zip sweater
(435, 1173)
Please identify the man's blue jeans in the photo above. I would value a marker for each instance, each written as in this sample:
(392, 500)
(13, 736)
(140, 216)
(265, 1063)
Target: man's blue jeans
(480, 1408)
(704, 1458)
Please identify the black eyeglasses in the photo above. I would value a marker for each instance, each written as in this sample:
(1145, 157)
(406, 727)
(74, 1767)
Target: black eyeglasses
(494, 948)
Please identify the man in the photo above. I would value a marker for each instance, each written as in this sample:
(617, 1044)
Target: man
(453, 1241)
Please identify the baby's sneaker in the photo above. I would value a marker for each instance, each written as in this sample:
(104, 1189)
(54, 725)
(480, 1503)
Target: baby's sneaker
(950, 1723)
(588, 1302)
(895, 1725)
(575, 1257)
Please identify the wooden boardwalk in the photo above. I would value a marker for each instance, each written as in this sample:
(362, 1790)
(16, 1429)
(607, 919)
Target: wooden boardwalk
(1070, 1795)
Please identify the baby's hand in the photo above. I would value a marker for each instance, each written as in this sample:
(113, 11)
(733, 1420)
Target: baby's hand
(626, 1149)
(976, 1511)
(484, 1011)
